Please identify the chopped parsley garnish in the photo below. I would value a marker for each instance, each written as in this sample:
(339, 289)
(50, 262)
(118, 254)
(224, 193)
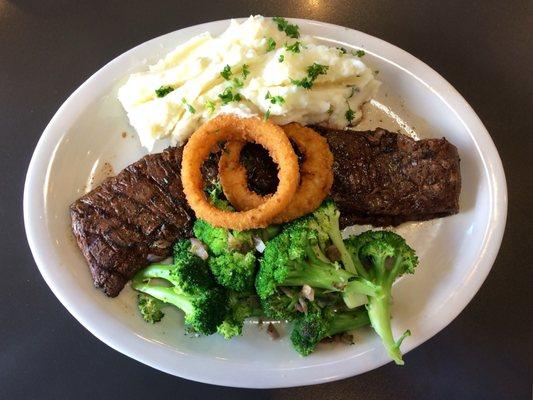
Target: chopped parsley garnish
(271, 44)
(190, 108)
(290, 30)
(349, 114)
(274, 99)
(267, 114)
(237, 83)
(227, 96)
(342, 50)
(355, 90)
(281, 58)
(295, 47)
(226, 72)
(359, 53)
(245, 71)
(305, 83)
(163, 91)
(313, 71)
(210, 106)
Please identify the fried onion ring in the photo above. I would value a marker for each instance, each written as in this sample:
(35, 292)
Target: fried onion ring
(316, 175)
(232, 128)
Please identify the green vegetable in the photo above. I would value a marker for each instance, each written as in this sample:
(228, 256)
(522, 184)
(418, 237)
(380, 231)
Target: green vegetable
(192, 289)
(222, 240)
(189, 271)
(232, 260)
(342, 50)
(281, 58)
(240, 307)
(215, 193)
(227, 96)
(380, 257)
(237, 83)
(360, 53)
(349, 114)
(245, 71)
(274, 99)
(354, 90)
(226, 72)
(150, 308)
(313, 72)
(297, 257)
(267, 115)
(295, 47)
(210, 106)
(163, 91)
(271, 44)
(306, 83)
(311, 328)
(234, 270)
(190, 108)
(216, 239)
(232, 257)
(291, 31)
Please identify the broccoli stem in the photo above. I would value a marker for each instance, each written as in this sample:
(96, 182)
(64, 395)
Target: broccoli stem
(361, 286)
(336, 238)
(348, 321)
(317, 275)
(378, 309)
(166, 294)
(162, 271)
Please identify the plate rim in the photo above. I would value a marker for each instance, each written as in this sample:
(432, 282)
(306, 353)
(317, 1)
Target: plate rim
(491, 240)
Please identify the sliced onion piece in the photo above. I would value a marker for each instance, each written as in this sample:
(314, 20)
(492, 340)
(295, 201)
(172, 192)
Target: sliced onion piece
(259, 244)
(353, 300)
(198, 248)
(308, 292)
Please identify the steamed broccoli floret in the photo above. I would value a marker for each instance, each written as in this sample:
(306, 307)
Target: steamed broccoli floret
(204, 311)
(216, 239)
(327, 218)
(222, 240)
(232, 259)
(215, 194)
(150, 308)
(240, 307)
(191, 271)
(311, 328)
(295, 258)
(380, 258)
(234, 270)
(282, 304)
(188, 285)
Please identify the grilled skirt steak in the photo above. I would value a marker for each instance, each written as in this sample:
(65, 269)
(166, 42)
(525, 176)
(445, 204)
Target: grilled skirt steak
(132, 218)
(381, 178)
(384, 178)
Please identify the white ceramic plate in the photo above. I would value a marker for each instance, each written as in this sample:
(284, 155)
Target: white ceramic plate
(456, 253)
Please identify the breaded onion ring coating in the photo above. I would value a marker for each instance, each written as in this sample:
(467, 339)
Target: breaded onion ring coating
(316, 175)
(232, 128)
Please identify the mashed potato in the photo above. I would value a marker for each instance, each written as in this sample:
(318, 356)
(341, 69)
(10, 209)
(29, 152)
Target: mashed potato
(261, 66)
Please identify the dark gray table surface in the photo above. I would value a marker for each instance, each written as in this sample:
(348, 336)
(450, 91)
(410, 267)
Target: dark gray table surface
(48, 48)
